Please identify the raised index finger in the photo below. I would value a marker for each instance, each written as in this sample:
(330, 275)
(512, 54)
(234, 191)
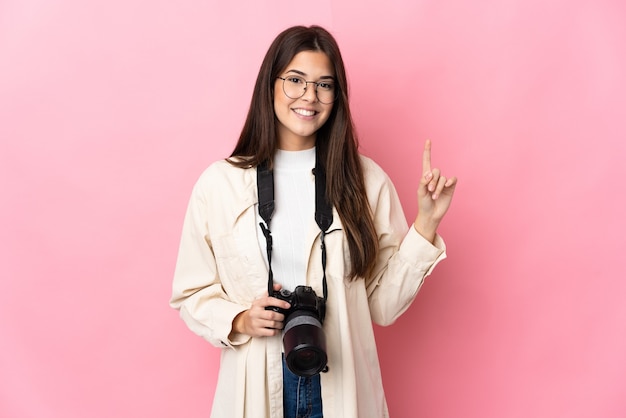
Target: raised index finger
(426, 157)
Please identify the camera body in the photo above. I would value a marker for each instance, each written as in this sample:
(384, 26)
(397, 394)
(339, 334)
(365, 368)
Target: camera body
(303, 337)
(302, 298)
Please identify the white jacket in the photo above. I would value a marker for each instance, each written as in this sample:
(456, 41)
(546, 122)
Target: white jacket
(221, 270)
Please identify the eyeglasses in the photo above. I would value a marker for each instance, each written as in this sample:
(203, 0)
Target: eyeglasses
(295, 87)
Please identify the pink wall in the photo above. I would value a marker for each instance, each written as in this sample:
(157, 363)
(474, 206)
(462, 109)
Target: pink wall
(109, 110)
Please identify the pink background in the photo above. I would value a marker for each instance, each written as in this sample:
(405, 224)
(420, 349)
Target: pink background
(109, 110)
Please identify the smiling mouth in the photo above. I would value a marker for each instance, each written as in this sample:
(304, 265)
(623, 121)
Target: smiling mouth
(304, 112)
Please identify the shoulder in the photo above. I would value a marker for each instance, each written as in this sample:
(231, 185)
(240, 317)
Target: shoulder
(373, 174)
(379, 188)
(222, 176)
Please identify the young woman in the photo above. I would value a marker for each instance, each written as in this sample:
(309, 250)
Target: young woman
(362, 263)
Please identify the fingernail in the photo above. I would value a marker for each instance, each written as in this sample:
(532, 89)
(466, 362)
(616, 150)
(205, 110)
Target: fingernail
(429, 176)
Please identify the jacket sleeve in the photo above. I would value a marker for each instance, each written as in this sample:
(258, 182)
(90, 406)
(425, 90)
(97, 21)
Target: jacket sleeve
(196, 290)
(405, 257)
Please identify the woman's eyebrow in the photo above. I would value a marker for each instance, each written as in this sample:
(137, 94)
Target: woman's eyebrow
(324, 77)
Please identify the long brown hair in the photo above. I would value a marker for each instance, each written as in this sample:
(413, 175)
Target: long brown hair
(336, 141)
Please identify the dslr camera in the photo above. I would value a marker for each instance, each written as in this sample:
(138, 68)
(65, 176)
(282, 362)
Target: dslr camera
(303, 337)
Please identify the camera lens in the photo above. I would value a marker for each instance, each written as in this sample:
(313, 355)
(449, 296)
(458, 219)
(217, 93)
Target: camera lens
(305, 344)
(307, 359)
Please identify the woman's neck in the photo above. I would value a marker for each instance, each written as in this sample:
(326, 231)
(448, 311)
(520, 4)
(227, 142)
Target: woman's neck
(296, 143)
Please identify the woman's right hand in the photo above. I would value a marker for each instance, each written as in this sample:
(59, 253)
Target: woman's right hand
(260, 322)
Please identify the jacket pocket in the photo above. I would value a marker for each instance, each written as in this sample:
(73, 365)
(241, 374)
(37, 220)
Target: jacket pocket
(235, 269)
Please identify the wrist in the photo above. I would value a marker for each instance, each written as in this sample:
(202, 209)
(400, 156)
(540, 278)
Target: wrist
(239, 323)
(428, 230)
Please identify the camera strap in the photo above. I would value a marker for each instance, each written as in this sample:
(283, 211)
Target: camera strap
(323, 213)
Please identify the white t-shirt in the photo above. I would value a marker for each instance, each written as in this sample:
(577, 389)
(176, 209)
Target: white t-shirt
(294, 195)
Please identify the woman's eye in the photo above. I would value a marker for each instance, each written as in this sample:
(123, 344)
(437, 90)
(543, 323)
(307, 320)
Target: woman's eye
(326, 86)
(296, 80)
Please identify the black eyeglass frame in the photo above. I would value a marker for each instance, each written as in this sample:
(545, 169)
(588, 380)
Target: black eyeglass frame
(306, 84)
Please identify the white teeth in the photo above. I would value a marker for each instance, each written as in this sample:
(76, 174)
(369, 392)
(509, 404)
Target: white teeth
(304, 112)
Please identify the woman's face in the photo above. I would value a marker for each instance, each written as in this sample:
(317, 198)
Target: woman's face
(298, 120)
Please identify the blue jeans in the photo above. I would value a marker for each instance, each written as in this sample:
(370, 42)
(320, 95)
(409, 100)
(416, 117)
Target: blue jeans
(302, 396)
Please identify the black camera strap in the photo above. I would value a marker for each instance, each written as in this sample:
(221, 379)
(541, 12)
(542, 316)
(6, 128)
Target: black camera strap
(265, 188)
(323, 213)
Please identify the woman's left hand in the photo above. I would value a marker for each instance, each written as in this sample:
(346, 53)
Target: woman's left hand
(434, 196)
